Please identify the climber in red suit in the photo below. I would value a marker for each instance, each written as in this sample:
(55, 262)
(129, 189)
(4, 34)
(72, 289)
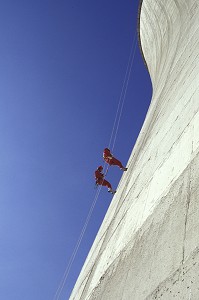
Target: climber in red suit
(99, 179)
(111, 160)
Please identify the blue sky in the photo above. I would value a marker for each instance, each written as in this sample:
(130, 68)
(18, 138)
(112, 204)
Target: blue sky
(62, 65)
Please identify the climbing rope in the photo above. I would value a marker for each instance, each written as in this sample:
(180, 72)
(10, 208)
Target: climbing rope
(122, 95)
(113, 137)
(66, 273)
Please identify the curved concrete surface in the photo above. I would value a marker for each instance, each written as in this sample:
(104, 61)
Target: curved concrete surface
(148, 244)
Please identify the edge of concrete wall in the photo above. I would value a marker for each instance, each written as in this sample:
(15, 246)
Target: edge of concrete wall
(138, 33)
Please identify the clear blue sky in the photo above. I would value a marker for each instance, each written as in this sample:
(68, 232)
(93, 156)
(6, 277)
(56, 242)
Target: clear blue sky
(62, 65)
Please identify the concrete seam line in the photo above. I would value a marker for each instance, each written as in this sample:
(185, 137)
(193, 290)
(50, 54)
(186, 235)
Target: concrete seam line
(186, 215)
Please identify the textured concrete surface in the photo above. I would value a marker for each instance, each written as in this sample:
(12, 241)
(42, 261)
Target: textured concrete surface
(148, 244)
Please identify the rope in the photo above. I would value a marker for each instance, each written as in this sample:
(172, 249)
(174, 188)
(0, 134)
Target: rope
(124, 97)
(72, 258)
(66, 273)
(116, 124)
(123, 93)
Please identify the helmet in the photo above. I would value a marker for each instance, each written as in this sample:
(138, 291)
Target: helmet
(100, 168)
(106, 149)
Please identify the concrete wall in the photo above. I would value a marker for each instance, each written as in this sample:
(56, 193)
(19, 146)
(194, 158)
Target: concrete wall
(148, 244)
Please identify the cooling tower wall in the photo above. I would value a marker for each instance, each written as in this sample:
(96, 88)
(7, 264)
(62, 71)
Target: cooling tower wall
(148, 244)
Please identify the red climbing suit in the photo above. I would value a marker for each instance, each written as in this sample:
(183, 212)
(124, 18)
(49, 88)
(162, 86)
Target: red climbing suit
(99, 176)
(109, 159)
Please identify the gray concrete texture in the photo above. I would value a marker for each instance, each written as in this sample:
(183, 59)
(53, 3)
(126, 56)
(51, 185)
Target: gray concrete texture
(148, 244)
